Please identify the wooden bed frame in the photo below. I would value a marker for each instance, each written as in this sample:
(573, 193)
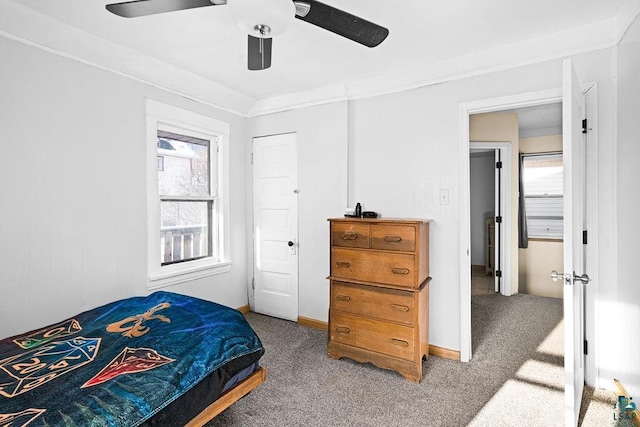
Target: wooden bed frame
(229, 397)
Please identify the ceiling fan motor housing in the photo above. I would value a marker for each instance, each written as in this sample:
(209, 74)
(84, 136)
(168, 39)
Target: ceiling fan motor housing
(262, 18)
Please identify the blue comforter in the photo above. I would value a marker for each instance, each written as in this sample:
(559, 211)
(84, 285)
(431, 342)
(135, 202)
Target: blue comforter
(118, 364)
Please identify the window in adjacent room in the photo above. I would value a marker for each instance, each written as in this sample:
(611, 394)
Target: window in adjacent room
(187, 179)
(543, 191)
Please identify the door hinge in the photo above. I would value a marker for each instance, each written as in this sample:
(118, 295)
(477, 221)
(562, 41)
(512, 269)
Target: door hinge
(499, 219)
(498, 273)
(498, 165)
(584, 237)
(253, 283)
(251, 158)
(586, 347)
(584, 126)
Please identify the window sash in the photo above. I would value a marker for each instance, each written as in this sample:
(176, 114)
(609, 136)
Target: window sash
(184, 242)
(544, 196)
(188, 242)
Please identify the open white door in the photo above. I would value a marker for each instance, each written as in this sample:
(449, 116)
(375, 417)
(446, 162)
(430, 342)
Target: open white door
(497, 236)
(574, 278)
(275, 205)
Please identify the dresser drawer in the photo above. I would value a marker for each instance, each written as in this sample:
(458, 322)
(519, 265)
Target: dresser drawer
(371, 266)
(350, 235)
(375, 335)
(393, 237)
(385, 304)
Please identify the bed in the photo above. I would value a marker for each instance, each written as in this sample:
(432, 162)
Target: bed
(164, 359)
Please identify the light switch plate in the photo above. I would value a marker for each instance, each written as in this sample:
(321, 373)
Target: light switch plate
(444, 196)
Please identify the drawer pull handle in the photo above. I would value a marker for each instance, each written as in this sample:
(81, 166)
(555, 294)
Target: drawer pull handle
(343, 297)
(404, 271)
(343, 264)
(342, 329)
(400, 343)
(398, 307)
(392, 239)
(349, 235)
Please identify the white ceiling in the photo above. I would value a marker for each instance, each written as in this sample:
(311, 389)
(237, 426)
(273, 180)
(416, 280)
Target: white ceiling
(539, 120)
(201, 53)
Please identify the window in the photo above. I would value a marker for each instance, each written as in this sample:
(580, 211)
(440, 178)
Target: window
(187, 179)
(543, 192)
(188, 197)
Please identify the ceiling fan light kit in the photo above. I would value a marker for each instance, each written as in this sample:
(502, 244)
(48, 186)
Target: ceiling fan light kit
(264, 19)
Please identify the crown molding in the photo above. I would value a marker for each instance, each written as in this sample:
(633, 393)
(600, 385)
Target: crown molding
(28, 26)
(25, 25)
(574, 41)
(626, 17)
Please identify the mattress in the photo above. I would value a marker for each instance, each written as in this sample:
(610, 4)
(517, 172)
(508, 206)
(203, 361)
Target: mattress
(153, 360)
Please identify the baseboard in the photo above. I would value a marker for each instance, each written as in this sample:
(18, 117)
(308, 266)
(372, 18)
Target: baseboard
(478, 267)
(244, 309)
(312, 323)
(444, 352)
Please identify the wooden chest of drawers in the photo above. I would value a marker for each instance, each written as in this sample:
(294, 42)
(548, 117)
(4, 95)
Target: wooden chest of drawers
(379, 306)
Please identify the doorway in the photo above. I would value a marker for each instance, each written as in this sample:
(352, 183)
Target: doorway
(491, 216)
(466, 112)
(578, 137)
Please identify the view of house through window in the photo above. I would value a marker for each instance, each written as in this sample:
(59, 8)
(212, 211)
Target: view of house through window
(187, 186)
(542, 178)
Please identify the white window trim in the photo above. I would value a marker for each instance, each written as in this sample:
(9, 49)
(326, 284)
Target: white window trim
(160, 276)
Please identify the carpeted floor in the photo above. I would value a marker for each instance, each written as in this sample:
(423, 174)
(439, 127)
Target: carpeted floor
(514, 379)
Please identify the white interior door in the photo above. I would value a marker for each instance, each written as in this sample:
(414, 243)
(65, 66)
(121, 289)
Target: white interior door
(497, 234)
(574, 159)
(275, 204)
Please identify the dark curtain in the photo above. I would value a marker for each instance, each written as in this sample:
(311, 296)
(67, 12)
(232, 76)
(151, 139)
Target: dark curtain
(523, 234)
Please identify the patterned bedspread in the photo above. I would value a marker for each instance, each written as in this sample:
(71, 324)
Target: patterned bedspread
(118, 364)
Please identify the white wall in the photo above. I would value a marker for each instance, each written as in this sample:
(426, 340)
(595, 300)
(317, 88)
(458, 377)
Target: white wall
(73, 193)
(403, 148)
(621, 306)
(482, 205)
(322, 180)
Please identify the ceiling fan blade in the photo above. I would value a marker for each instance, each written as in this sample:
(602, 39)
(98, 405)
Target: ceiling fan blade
(134, 9)
(341, 23)
(259, 53)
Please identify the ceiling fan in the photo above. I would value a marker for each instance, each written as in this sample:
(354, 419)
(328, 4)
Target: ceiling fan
(264, 19)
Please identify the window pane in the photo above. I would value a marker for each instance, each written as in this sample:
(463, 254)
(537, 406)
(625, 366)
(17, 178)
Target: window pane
(184, 231)
(543, 188)
(543, 175)
(550, 229)
(185, 169)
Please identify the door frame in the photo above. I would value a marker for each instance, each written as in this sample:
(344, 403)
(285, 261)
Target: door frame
(529, 99)
(591, 376)
(465, 110)
(504, 188)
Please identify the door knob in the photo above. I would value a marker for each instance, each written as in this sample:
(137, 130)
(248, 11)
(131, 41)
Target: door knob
(585, 279)
(570, 279)
(290, 243)
(555, 276)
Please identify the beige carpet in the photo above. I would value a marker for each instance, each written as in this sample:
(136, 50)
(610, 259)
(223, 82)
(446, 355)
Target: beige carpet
(514, 379)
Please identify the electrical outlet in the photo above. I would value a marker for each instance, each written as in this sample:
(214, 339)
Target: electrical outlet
(444, 196)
